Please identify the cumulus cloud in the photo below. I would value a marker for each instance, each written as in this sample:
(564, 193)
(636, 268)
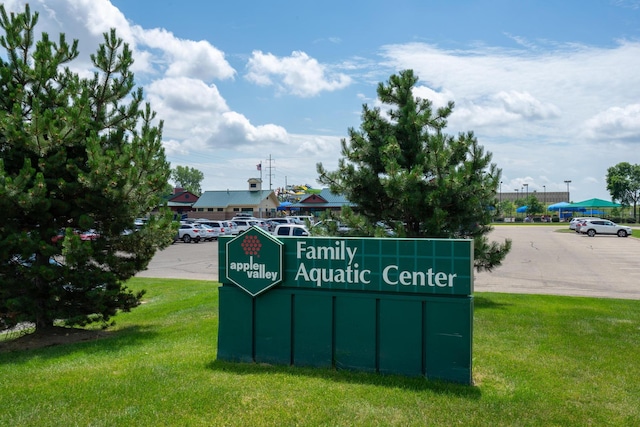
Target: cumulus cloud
(526, 106)
(438, 99)
(235, 129)
(298, 74)
(180, 95)
(197, 113)
(615, 123)
(176, 74)
(527, 86)
(186, 58)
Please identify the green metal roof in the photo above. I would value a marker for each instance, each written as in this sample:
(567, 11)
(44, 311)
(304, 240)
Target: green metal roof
(226, 198)
(324, 199)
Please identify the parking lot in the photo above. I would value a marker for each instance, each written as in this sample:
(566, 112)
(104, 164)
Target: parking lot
(541, 261)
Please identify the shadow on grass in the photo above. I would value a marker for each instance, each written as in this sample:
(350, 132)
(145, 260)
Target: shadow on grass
(351, 377)
(97, 342)
(486, 302)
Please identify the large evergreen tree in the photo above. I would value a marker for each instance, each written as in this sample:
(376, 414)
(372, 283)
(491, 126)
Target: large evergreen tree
(75, 154)
(400, 169)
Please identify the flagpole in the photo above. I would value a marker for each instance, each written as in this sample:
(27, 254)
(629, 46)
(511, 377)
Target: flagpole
(259, 166)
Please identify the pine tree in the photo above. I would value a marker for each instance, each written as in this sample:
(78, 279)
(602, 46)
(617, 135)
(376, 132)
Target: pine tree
(401, 170)
(75, 154)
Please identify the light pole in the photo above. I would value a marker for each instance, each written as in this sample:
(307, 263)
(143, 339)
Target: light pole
(516, 190)
(527, 187)
(544, 189)
(568, 181)
(500, 203)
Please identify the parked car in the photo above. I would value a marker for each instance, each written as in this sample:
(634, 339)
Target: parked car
(244, 218)
(285, 220)
(302, 219)
(582, 221)
(84, 235)
(243, 224)
(291, 230)
(591, 227)
(329, 226)
(220, 226)
(243, 215)
(189, 232)
(89, 235)
(209, 233)
(232, 227)
(574, 221)
(262, 224)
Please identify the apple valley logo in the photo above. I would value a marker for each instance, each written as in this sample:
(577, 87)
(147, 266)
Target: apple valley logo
(254, 261)
(251, 245)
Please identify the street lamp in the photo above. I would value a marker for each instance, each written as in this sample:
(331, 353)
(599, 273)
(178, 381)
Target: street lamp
(499, 204)
(544, 189)
(516, 190)
(568, 181)
(527, 187)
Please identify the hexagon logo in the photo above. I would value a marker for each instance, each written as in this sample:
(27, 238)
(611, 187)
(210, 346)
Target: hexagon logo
(254, 261)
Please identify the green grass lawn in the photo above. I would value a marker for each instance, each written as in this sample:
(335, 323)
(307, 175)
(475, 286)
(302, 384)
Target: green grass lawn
(538, 361)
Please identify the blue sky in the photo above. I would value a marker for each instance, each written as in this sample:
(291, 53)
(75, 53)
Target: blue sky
(550, 88)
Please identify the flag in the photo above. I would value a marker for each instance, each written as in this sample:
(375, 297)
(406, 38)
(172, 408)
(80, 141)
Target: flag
(259, 166)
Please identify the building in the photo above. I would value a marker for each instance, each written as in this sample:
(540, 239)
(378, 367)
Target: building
(546, 197)
(315, 204)
(181, 201)
(225, 204)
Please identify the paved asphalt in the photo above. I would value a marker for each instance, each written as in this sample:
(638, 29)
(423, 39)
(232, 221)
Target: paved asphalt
(542, 261)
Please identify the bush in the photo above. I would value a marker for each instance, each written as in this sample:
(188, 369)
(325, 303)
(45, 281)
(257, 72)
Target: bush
(630, 220)
(555, 219)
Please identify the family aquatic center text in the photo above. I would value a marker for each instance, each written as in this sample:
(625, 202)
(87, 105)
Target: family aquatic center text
(353, 273)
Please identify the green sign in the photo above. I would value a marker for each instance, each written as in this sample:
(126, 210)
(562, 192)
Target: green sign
(254, 261)
(393, 306)
(415, 266)
(422, 266)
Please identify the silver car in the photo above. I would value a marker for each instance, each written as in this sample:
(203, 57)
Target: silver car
(576, 220)
(591, 227)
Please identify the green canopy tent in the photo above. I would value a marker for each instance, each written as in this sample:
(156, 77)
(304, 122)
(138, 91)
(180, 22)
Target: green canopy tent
(592, 204)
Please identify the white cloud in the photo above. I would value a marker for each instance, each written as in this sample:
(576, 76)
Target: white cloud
(186, 58)
(297, 74)
(235, 130)
(526, 106)
(182, 95)
(439, 99)
(615, 123)
(197, 113)
(496, 86)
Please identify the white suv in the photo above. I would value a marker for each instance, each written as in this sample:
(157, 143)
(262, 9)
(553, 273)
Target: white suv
(291, 230)
(189, 232)
(243, 224)
(591, 227)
